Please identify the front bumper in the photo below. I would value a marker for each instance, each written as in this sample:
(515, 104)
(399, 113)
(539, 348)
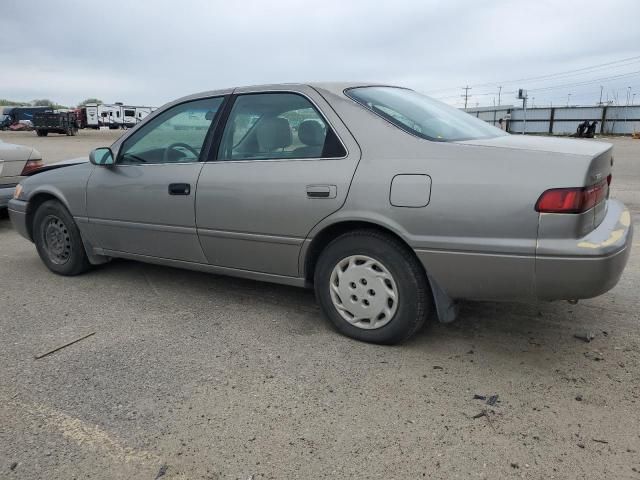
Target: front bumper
(569, 269)
(18, 216)
(6, 194)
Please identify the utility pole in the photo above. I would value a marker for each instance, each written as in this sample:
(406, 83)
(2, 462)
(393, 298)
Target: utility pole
(568, 99)
(466, 95)
(626, 109)
(499, 93)
(600, 102)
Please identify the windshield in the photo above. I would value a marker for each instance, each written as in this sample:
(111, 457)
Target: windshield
(421, 115)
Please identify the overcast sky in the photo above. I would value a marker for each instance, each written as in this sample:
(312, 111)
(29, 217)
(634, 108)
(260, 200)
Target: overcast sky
(147, 52)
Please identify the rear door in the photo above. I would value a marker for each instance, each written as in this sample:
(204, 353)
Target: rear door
(145, 203)
(285, 161)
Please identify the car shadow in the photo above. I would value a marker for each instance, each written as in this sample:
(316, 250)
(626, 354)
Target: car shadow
(505, 330)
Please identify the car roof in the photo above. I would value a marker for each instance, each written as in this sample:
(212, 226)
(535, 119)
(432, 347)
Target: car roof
(333, 87)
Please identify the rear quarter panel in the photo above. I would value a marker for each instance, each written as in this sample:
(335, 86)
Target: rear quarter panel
(477, 236)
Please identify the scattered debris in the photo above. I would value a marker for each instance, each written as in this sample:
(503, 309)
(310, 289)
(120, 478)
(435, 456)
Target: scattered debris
(437, 367)
(64, 346)
(162, 471)
(479, 397)
(483, 413)
(581, 445)
(13, 466)
(514, 465)
(578, 398)
(595, 356)
(492, 400)
(599, 440)
(585, 336)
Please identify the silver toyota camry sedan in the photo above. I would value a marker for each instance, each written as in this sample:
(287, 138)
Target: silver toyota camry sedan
(391, 205)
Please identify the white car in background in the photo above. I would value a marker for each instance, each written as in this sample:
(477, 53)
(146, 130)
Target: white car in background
(16, 161)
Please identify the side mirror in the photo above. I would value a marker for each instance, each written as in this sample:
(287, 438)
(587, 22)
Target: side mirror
(101, 156)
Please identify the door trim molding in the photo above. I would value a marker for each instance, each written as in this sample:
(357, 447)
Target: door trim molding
(143, 226)
(252, 237)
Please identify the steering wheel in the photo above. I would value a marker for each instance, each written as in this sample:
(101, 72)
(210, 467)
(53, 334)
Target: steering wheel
(176, 145)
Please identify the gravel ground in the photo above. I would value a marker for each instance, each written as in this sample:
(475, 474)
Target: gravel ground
(197, 376)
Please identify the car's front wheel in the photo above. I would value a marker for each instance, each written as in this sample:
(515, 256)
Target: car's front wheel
(372, 287)
(58, 240)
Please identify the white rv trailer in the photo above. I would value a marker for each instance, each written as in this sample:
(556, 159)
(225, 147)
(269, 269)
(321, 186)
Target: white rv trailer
(132, 115)
(115, 115)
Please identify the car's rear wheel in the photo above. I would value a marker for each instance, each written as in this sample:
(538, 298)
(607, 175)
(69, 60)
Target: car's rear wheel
(372, 287)
(42, 133)
(58, 240)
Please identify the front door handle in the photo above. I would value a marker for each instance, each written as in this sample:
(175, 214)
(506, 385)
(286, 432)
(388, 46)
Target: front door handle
(179, 189)
(321, 191)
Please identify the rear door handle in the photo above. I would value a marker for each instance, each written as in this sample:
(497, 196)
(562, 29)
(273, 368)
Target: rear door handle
(321, 191)
(179, 189)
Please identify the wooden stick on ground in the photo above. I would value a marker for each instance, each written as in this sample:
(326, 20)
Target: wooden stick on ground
(65, 345)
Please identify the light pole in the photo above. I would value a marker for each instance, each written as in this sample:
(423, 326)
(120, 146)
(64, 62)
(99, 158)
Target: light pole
(568, 99)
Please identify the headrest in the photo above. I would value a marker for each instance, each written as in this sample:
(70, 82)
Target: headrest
(273, 133)
(311, 133)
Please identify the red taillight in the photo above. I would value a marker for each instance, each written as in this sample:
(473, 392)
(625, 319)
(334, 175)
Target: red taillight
(31, 166)
(573, 200)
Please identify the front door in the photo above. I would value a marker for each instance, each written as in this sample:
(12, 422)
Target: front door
(284, 163)
(145, 203)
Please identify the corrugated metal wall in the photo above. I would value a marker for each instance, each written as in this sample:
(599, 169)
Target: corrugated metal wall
(564, 120)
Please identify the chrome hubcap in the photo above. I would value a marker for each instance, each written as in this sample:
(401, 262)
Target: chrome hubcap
(364, 292)
(57, 241)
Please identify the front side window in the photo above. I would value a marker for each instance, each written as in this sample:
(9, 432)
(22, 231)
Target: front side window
(175, 136)
(277, 126)
(422, 116)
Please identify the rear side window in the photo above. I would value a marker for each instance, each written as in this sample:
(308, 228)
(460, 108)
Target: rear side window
(277, 126)
(422, 116)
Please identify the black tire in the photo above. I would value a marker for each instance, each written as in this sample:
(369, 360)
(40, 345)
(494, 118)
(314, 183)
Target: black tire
(42, 133)
(414, 299)
(68, 257)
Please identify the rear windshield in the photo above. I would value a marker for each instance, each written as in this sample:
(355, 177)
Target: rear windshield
(421, 115)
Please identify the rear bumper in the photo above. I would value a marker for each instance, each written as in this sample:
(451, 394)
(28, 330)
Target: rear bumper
(18, 215)
(588, 266)
(6, 194)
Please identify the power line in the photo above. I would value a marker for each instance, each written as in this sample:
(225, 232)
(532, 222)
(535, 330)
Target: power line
(587, 82)
(579, 71)
(625, 61)
(561, 86)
